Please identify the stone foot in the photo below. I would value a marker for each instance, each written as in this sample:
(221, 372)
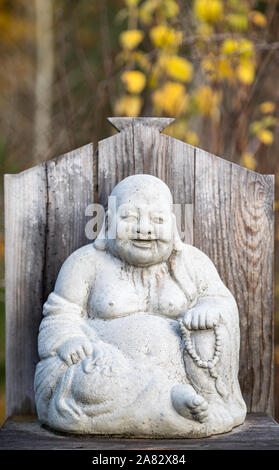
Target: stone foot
(220, 419)
(188, 403)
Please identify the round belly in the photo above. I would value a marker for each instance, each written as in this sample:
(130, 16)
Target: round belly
(149, 341)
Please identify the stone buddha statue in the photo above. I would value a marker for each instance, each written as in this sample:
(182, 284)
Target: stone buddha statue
(140, 337)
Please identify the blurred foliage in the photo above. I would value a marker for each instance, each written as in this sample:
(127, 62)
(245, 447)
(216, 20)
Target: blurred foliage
(200, 62)
(211, 64)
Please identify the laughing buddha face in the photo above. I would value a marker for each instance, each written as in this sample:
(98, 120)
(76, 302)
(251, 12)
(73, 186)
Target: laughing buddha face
(143, 221)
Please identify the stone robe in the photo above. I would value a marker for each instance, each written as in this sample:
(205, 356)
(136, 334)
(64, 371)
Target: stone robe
(131, 315)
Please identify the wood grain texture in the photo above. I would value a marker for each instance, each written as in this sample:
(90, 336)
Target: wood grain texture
(229, 216)
(141, 148)
(259, 432)
(69, 191)
(25, 224)
(234, 223)
(44, 222)
(233, 220)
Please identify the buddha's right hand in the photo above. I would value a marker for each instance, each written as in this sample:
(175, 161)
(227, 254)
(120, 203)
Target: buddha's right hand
(75, 350)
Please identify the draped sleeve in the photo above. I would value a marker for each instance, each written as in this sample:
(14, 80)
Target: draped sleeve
(65, 311)
(62, 320)
(64, 317)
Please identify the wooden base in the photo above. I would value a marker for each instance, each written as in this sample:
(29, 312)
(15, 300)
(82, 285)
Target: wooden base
(259, 432)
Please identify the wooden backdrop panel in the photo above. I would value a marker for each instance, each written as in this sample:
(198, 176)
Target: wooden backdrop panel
(233, 220)
(70, 189)
(44, 223)
(25, 225)
(229, 216)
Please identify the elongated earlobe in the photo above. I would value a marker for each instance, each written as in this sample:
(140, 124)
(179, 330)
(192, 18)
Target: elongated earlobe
(100, 242)
(177, 242)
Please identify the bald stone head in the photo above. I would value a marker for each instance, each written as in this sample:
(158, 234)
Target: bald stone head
(144, 187)
(143, 220)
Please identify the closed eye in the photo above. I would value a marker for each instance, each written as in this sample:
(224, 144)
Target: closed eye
(130, 218)
(158, 220)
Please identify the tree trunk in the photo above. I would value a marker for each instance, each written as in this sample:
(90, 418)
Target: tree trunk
(44, 79)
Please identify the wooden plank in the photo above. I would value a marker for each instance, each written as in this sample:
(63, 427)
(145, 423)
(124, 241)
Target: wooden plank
(170, 160)
(70, 189)
(179, 171)
(234, 223)
(141, 148)
(45, 222)
(259, 432)
(243, 254)
(25, 225)
(115, 162)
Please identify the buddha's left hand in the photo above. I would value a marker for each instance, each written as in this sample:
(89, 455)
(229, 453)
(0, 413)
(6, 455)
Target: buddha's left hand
(201, 317)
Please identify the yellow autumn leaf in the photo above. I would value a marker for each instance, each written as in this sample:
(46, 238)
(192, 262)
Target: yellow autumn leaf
(248, 160)
(171, 98)
(237, 21)
(218, 69)
(191, 137)
(163, 36)
(224, 69)
(258, 18)
(207, 101)
(209, 66)
(134, 80)
(246, 49)
(129, 106)
(246, 72)
(132, 3)
(178, 68)
(146, 10)
(239, 47)
(142, 60)
(230, 46)
(267, 107)
(153, 78)
(256, 127)
(205, 30)
(265, 136)
(177, 129)
(131, 39)
(210, 11)
(14, 28)
(171, 8)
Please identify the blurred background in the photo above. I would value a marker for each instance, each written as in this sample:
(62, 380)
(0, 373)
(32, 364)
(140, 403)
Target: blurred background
(66, 65)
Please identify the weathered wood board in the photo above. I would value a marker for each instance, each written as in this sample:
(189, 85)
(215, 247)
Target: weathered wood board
(25, 224)
(69, 191)
(259, 432)
(229, 216)
(44, 223)
(234, 225)
(227, 212)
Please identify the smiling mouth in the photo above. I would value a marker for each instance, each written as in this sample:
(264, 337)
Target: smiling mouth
(140, 243)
